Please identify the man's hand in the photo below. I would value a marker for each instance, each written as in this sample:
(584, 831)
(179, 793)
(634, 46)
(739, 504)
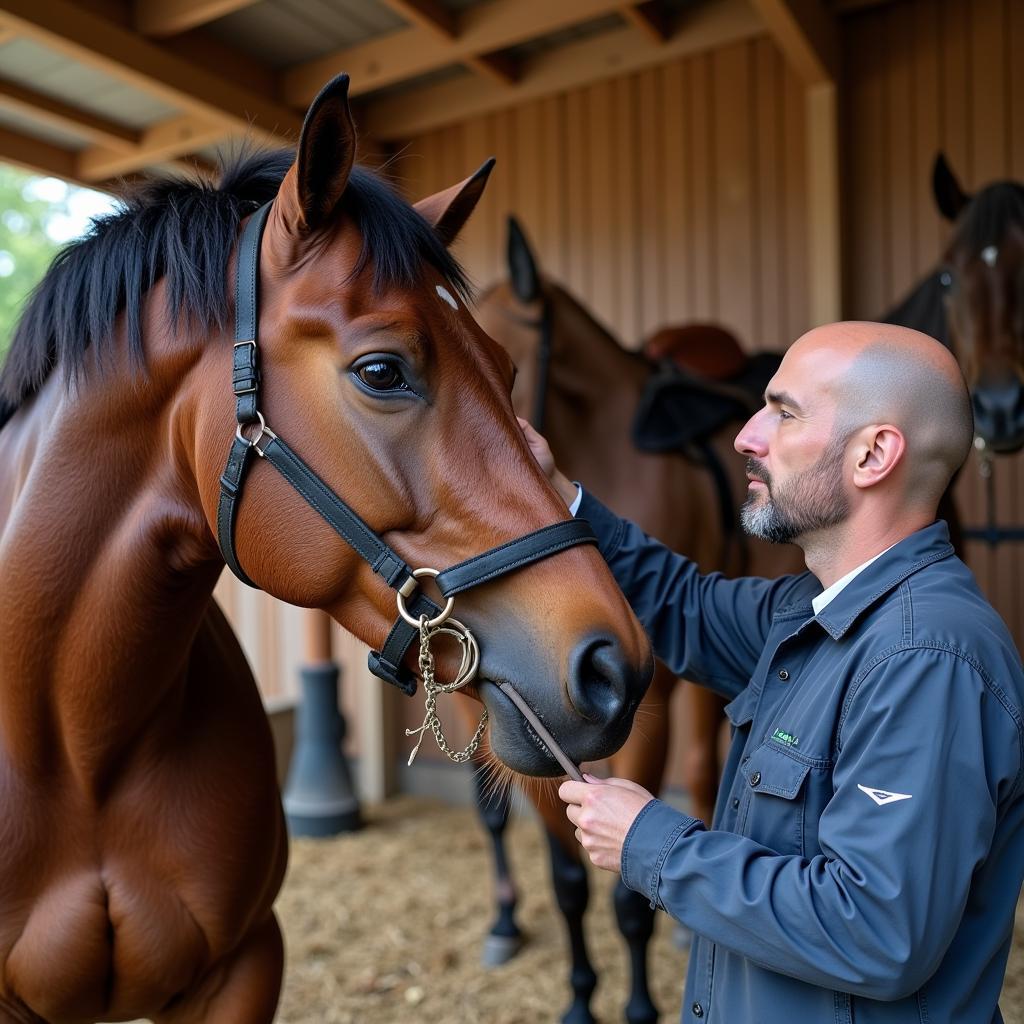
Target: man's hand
(542, 453)
(603, 810)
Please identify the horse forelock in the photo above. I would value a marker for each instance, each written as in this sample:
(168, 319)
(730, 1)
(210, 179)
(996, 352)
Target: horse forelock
(183, 231)
(987, 218)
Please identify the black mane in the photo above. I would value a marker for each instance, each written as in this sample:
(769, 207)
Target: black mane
(183, 231)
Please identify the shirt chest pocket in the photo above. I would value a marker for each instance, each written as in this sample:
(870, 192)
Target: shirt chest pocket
(773, 806)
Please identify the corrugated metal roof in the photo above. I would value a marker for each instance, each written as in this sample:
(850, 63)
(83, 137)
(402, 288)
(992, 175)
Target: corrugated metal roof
(282, 33)
(53, 74)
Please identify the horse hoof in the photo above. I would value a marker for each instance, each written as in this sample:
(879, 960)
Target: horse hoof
(499, 949)
(643, 1014)
(579, 1013)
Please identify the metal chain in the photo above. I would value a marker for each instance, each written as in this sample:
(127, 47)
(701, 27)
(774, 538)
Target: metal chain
(466, 673)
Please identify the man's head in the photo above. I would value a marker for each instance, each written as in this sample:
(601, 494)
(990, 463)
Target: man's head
(858, 415)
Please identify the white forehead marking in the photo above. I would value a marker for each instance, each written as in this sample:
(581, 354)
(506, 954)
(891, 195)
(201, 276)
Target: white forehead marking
(447, 296)
(989, 255)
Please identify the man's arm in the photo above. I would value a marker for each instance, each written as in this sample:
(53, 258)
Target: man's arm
(875, 913)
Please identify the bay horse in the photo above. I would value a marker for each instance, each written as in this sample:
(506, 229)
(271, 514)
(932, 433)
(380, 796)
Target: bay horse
(582, 388)
(142, 836)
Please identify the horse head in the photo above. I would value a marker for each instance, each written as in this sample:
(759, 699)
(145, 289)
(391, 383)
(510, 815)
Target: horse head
(547, 333)
(373, 369)
(982, 275)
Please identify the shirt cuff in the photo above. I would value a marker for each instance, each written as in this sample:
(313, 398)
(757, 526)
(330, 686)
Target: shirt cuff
(575, 506)
(648, 842)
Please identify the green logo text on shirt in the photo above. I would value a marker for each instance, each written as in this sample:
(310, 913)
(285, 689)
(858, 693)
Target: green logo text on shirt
(786, 737)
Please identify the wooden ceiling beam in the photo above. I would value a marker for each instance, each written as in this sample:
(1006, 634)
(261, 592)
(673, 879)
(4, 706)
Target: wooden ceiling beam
(162, 143)
(37, 156)
(171, 17)
(57, 114)
(499, 67)
(618, 51)
(85, 36)
(649, 17)
(427, 14)
(805, 31)
(482, 30)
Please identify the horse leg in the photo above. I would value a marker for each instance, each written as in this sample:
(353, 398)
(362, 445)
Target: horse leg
(572, 893)
(635, 917)
(642, 759)
(242, 989)
(504, 939)
(701, 764)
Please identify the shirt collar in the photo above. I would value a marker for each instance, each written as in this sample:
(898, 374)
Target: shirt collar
(825, 597)
(877, 578)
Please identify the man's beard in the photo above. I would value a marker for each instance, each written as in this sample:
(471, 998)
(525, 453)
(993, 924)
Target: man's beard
(813, 500)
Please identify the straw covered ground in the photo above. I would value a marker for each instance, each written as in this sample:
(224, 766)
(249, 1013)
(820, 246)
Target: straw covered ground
(384, 926)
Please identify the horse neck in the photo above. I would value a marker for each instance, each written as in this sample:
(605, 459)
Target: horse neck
(593, 380)
(108, 567)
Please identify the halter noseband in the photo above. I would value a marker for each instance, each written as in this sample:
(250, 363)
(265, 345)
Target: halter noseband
(385, 562)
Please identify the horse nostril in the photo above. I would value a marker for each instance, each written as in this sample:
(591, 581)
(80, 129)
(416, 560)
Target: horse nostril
(601, 680)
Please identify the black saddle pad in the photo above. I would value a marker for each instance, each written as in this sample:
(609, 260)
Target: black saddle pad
(678, 410)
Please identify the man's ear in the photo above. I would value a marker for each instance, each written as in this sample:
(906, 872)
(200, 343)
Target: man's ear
(879, 450)
(448, 211)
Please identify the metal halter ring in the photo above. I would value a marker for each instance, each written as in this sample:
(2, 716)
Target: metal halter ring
(265, 431)
(431, 623)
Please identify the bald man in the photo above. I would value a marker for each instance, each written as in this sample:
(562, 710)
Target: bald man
(867, 846)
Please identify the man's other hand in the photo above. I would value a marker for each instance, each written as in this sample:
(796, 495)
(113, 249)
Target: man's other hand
(542, 453)
(603, 810)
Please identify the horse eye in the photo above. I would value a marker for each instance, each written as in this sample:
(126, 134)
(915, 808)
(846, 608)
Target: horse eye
(382, 376)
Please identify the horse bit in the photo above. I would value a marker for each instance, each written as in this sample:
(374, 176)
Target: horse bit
(418, 616)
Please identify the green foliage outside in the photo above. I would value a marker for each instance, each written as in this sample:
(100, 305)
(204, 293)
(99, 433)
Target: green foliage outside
(36, 216)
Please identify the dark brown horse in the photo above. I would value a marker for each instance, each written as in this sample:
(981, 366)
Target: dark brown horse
(583, 388)
(973, 302)
(142, 836)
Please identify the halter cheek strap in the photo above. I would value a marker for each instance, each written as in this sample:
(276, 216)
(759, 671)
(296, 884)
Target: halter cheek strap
(254, 439)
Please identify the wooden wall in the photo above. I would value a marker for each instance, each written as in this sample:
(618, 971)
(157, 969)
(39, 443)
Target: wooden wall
(671, 194)
(924, 76)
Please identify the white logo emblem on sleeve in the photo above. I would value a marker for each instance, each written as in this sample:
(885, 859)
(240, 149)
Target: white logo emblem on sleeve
(447, 296)
(883, 796)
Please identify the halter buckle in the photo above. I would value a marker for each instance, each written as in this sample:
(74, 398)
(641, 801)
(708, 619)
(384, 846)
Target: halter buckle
(265, 433)
(400, 597)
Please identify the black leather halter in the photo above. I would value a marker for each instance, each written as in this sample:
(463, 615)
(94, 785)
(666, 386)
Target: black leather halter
(386, 663)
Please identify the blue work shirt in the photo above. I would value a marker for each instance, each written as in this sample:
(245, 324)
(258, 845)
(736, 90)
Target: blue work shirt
(868, 841)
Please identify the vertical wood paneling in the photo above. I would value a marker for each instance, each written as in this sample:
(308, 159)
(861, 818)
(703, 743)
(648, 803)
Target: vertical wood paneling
(771, 262)
(703, 180)
(674, 228)
(650, 190)
(927, 76)
(734, 209)
(899, 172)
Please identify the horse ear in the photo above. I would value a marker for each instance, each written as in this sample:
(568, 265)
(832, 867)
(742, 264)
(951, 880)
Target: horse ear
(951, 199)
(326, 152)
(522, 267)
(449, 210)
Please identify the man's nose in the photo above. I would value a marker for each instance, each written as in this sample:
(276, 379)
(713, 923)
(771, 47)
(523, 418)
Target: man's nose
(750, 441)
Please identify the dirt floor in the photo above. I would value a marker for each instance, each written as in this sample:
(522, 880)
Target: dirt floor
(385, 927)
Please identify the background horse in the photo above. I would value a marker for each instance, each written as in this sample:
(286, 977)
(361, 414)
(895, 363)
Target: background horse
(142, 834)
(973, 302)
(583, 389)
